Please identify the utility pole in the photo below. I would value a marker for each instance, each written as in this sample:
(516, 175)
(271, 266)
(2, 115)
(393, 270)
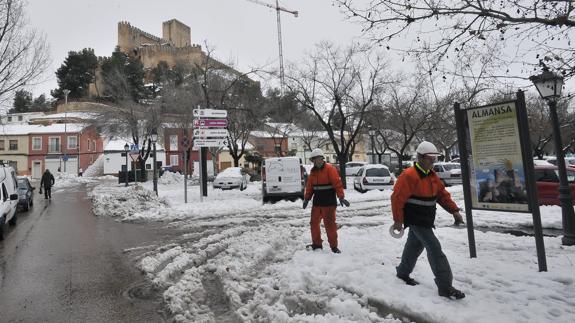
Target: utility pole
(277, 8)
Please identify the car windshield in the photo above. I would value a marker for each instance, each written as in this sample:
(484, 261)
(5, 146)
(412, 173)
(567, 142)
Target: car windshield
(22, 184)
(377, 172)
(231, 172)
(571, 162)
(451, 166)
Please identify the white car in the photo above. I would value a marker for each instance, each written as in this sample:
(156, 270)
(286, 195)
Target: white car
(449, 173)
(352, 168)
(8, 197)
(233, 177)
(373, 177)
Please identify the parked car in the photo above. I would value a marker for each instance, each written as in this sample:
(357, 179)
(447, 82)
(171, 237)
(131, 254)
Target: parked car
(352, 168)
(569, 161)
(373, 177)
(449, 173)
(25, 193)
(8, 197)
(282, 178)
(547, 181)
(232, 177)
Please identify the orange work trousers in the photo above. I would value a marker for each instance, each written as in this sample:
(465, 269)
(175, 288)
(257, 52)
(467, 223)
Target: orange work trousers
(327, 213)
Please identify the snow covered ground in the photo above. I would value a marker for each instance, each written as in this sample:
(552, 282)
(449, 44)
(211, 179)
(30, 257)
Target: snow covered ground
(233, 259)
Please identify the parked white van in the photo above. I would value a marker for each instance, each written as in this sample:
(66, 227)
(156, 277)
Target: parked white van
(449, 173)
(8, 197)
(282, 178)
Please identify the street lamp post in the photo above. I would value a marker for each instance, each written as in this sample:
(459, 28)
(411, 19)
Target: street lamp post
(549, 86)
(66, 92)
(126, 149)
(371, 136)
(154, 138)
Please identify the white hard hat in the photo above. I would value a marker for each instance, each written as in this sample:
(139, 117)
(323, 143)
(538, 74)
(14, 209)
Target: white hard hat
(427, 148)
(315, 153)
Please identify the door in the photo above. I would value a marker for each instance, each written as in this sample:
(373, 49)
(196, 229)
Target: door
(37, 169)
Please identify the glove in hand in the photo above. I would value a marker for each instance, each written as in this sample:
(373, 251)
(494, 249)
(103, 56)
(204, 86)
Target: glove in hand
(343, 202)
(305, 202)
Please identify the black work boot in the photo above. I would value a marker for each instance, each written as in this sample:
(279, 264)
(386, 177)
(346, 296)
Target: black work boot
(314, 246)
(335, 250)
(408, 280)
(451, 293)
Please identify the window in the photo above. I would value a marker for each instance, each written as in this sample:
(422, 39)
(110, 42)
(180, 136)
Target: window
(377, 172)
(36, 143)
(19, 118)
(277, 148)
(54, 145)
(174, 160)
(546, 175)
(72, 142)
(13, 145)
(2, 145)
(9, 119)
(4, 193)
(174, 142)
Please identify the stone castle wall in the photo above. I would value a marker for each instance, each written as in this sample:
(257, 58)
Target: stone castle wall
(130, 37)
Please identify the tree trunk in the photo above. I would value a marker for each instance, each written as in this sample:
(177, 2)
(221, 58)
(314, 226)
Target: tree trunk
(342, 161)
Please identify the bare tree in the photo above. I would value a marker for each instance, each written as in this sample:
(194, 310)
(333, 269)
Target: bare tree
(530, 30)
(338, 86)
(23, 52)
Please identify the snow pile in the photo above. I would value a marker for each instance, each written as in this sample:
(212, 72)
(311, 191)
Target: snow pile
(125, 203)
(96, 169)
(169, 178)
(66, 180)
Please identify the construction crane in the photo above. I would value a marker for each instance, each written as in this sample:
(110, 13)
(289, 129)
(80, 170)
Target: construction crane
(281, 57)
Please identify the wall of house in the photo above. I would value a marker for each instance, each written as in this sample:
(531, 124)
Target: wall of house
(18, 157)
(113, 161)
(266, 146)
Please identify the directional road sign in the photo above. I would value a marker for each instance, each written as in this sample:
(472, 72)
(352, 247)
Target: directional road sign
(210, 133)
(210, 113)
(215, 123)
(210, 142)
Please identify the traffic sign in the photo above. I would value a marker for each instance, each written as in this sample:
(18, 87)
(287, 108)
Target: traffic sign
(210, 142)
(210, 113)
(215, 123)
(65, 158)
(205, 133)
(134, 148)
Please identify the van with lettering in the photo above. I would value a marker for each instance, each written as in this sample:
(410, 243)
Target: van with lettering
(282, 178)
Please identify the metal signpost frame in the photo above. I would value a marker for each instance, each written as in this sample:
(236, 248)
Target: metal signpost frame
(185, 144)
(465, 148)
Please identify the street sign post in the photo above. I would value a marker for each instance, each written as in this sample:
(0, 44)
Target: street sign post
(210, 113)
(207, 123)
(210, 133)
(210, 142)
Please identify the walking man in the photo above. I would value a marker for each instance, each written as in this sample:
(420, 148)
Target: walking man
(47, 182)
(323, 183)
(413, 204)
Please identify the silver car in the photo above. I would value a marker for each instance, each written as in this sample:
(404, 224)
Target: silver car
(233, 177)
(373, 177)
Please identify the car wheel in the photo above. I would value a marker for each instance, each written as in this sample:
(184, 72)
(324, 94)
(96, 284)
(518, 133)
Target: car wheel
(31, 202)
(14, 219)
(27, 207)
(1, 228)
(444, 183)
(361, 190)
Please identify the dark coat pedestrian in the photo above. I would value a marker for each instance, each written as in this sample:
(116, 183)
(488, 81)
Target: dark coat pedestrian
(47, 182)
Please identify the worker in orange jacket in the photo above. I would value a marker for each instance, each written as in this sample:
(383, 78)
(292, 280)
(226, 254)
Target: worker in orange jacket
(323, 183)
(413, 203)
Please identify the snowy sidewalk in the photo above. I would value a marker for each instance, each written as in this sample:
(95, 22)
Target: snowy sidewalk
(250, 258)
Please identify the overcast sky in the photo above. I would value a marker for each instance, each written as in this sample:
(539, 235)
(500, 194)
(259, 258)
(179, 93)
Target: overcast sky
(238, 29)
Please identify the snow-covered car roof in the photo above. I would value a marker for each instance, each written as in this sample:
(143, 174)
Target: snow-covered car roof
(368, 166)
(231, 172)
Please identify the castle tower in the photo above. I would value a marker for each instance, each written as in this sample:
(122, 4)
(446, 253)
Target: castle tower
(177, 33)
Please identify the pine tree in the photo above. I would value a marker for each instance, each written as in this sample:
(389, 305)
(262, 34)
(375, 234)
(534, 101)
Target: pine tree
(123, 77)
(76, 74)
(22, 102)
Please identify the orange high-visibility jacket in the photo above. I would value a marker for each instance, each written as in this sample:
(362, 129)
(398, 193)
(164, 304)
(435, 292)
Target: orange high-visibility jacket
(323, 184)
(415, 195)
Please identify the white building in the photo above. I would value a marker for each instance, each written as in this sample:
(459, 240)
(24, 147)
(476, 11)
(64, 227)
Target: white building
(114, 161)
(20, 118)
